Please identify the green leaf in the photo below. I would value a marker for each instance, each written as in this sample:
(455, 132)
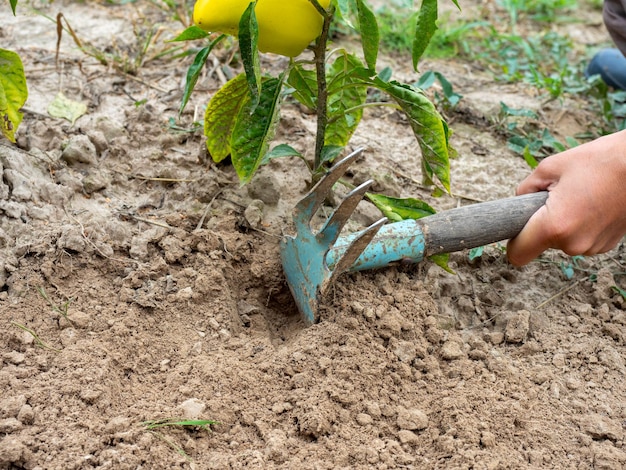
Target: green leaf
(528, 157)
(13, 92)
(448, 92)
(221, 114)
(193, 73)
(192, 33)
(567, 270)
(64, 108)
(571, 142)
(304, 83)
(396, 209)
(248, 47)
(385, 74)
(159, 423)
(330, 152)
(347, 92)
(370, 36)
(280, 151)
(429, 128)
(345, 9)
(517, 112)
(425, 29)
(621, 292)
(441, 260)
(255, 127)
(13, 6)
(476, 252)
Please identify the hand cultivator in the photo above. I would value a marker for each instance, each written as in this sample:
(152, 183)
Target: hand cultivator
(312, 261)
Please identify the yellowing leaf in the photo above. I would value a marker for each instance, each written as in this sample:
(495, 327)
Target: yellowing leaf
(13, 92)
(221, 115)
(64, 108)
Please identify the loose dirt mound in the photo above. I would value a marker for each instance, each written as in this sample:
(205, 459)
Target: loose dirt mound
(138, 281)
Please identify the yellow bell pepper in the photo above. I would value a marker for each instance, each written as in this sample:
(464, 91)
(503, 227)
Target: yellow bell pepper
(286, 27)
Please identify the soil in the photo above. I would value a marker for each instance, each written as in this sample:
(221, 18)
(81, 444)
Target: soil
(139, 281)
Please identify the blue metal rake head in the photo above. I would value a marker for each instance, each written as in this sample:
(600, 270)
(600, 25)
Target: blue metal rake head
(304, 256)
(312, 260)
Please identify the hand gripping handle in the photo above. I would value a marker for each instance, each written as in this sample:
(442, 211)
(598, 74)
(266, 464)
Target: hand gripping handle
(445, 232)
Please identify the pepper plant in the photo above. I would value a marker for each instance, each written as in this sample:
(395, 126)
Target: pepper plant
(242, 116)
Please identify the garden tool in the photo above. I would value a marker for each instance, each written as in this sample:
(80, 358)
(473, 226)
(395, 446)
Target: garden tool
(313, 260)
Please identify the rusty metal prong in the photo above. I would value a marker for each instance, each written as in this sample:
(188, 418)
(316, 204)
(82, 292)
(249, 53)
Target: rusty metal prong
(330, 232)
(307, 207)
(355, 250)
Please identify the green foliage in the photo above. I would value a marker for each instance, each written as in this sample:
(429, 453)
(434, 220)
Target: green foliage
(426, 25)
(198, 64)
(396, 32)
(449, 99)
(248, 46)
(254, 128)
(398, 22)
(548, 11)
(221, 116)
(241, 121)
(370, 40)
(612, 105)
(620, 291)
(347, 93)
(526, 138)
(13, 92)
(430, 130)
(400, 209)
(453, 39)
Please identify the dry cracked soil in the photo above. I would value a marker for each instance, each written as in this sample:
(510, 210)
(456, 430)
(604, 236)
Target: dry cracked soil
(139, 281)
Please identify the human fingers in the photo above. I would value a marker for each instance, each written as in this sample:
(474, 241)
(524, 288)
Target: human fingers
(531, 241)
(544, 176)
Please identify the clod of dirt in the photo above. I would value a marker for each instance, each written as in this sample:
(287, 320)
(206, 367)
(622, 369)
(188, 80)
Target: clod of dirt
(192, 408)
(412, 419)
(11, 451)
(265, 187)
(79, 149)
(602, 427)
(517, 327)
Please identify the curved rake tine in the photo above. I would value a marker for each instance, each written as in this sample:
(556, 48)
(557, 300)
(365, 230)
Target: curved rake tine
(330, 232)
(312, 201)
(355, 250)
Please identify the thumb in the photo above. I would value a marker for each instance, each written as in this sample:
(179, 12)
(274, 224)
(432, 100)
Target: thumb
(531, 241)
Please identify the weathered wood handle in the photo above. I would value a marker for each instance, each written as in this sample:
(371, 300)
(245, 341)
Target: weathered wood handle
(478, 224)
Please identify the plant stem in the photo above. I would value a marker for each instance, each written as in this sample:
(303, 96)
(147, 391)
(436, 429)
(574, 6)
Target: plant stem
(322, 91)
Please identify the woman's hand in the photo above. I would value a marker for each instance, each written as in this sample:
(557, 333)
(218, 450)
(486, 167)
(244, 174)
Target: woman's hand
(585, 213)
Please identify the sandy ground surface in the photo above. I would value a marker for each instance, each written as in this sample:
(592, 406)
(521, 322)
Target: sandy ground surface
(166, 297)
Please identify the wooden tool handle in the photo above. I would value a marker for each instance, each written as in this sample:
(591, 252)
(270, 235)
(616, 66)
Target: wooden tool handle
(478, 224)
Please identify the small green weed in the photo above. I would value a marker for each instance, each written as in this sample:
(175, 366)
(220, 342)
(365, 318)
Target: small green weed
(549, 11)
(449, 99)
(177, 422)
(61, 309)
(153, 426)
(611, 104)
(396, 31)
(38, 341)
(396, 23)
(525, 137)
(620, 291)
